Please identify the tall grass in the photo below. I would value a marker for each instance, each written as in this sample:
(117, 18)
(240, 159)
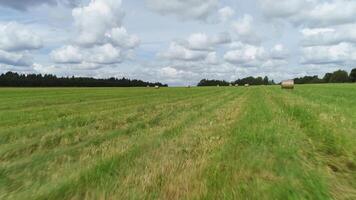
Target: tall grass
(178, 143)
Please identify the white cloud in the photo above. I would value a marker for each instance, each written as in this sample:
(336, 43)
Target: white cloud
(120, 37)
(247, 55)
(283, 9)
(212, 58)
(198, 47)
(16, 44)
(334, 54)
(331, 13)
(201, 41)
(15, 58)
(245, 30)
(279, 52)
(311, 13)
(188, 9)
(67, 54)
(15, 37)
(105, 54)
(169, 72)
(96, 20)
(24, 5)
(329, 36)
(226, 13)
(101, 40)
(179, 52)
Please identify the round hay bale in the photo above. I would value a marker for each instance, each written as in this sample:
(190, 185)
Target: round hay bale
(236, 85)
(156, 87)
(247, 85)
(218, 86)
(230, 85)
(287, 84)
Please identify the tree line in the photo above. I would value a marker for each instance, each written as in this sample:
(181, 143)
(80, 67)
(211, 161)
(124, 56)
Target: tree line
(12, 79)
(339, 76)
(248, 80)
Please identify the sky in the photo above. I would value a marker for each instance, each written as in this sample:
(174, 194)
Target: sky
(178, 42)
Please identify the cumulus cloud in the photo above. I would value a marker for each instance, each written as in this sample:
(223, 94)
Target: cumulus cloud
(245, 30)
(67, 54)
(331, 13)
(101, 40)
(198, 47)
(329, 36)
(247, 55)
(226, 13)
(24, 5)
(95, 21)
(312, 13)
(282, 9)
(119, 37)
(201, 41)
(16, 44)
(256, 56)
(279, 52)
(179, 52)
(335, 54)
(15, 37)
(15, 59)
(188, 9)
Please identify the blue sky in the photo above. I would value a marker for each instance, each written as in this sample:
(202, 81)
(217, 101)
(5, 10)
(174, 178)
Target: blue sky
(178, 42)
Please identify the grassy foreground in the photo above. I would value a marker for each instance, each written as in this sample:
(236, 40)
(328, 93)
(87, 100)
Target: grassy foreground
(178, 143)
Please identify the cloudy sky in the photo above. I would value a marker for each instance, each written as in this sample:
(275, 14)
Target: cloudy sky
(178, 42)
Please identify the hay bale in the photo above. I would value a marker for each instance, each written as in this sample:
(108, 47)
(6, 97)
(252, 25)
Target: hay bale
(247, 85)
(287, 84)
(218, 86)
(147, 86)
(236, 85)
(156, 87)
(230, 85)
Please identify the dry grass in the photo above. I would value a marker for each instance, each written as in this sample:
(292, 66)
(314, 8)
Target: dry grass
(174, 143)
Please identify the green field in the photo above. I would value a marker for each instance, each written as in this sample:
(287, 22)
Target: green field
(178, 143)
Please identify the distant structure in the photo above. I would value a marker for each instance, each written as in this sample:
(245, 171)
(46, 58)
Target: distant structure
(287, 84)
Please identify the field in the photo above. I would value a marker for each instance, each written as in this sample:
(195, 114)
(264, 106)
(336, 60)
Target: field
(178, 143)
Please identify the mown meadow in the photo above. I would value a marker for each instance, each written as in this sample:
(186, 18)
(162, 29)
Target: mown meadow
(178, 143)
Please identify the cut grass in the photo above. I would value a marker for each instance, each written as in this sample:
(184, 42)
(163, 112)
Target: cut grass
(178, 143)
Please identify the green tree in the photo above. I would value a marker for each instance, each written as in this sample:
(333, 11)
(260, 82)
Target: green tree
(339, 76)
(327, 77)
(265, 80)
(353, 75)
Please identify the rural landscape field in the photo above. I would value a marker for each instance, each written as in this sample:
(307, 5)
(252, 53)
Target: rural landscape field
(178, 143)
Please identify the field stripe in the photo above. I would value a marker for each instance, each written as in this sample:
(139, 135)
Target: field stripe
(331, 152)
(56, 125)
(261, 159)
(115, 164)
(200, 104)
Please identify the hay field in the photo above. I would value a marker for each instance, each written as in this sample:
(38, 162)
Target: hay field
(178, 143)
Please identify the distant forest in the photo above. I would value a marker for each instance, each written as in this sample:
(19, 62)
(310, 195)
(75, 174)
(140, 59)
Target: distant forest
(11, 79)
(339, 76)
(248, 80)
